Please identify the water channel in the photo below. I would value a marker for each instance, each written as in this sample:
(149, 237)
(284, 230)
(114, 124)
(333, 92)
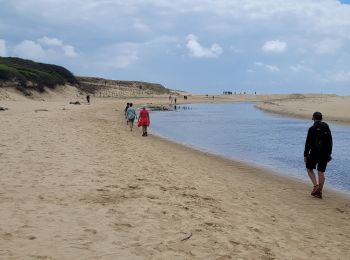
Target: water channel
(241, 131)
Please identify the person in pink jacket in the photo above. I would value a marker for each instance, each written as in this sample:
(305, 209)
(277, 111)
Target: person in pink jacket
(144, 120)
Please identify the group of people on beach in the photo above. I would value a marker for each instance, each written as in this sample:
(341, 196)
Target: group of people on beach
(143, 119)
(317, 152)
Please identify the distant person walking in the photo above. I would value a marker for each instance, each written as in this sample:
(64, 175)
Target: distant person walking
(144, 120)
(126, 109)
(317, 153)
(88, 99)
(131, 116)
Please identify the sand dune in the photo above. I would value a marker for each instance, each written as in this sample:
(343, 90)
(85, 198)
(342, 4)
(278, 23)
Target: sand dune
(77, 184)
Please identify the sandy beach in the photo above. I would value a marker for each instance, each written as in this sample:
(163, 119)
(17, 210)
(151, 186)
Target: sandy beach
(77, 184)
(334, 108)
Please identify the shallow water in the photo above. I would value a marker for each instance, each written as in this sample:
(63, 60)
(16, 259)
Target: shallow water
(241, 131)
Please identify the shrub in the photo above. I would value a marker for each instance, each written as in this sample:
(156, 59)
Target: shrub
(39, 74)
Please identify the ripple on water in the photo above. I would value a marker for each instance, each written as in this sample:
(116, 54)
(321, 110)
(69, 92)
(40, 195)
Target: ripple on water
(240, 131)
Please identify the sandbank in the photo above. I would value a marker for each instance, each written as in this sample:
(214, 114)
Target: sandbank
(334, 108)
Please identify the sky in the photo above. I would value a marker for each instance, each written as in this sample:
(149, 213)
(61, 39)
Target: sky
(201, 46)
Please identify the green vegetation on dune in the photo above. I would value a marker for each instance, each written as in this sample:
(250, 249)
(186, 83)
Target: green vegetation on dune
(27, 75)
(39, 75)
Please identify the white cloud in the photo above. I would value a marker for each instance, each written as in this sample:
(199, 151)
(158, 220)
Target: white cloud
(44, 49)
(117, 62)
(119, 56)
(300, 67)
(302, 29)
(30, 50)
(50, 41)
(164, 39)
(275, 46)
(142, 27)
(328, 46)
(271, 68)
(125, 55)
(342, 76)
(69, 51)
(235, 49)
(125, 60)
(197, 50)
(295, 68)
(3, 51)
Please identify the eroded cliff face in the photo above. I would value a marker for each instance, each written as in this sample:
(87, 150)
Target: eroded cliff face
(9, 83)
(114, 88)
(99, 87)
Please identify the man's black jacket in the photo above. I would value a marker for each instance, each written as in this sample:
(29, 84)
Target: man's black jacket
(319, 140)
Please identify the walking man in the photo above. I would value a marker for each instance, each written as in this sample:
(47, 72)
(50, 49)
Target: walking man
(125, 110)
(317, 153)
(131, 115)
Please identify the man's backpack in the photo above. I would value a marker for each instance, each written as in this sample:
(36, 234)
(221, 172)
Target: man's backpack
(322, 137)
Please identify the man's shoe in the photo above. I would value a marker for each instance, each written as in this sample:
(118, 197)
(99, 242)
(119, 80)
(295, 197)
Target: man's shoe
(314, 190)
(318, 194)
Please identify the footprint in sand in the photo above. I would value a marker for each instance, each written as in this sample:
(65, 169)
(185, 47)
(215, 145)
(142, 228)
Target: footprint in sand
(122, 226)
(6, 236)
(44, 257)
(91, 231)
(340, 210)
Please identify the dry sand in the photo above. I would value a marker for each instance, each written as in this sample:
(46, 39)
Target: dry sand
(77, 184)
(333, 108)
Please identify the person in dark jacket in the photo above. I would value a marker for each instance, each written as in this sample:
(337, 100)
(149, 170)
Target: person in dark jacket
(126, 109)
(317, 153)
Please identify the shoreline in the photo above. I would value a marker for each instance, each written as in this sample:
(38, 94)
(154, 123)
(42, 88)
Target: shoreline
(254, 166)
(336, 120)
(84, 186)
(332, 107)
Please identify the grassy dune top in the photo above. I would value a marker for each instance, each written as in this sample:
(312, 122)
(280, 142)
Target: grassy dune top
(27, 74)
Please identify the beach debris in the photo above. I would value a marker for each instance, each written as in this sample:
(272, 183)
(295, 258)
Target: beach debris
(133, 186)
(160, 108)
(3, 108)
(187, 237)
(40, 110)
(273, 218)
(166, 108)
(75, 103)
(271, 103)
